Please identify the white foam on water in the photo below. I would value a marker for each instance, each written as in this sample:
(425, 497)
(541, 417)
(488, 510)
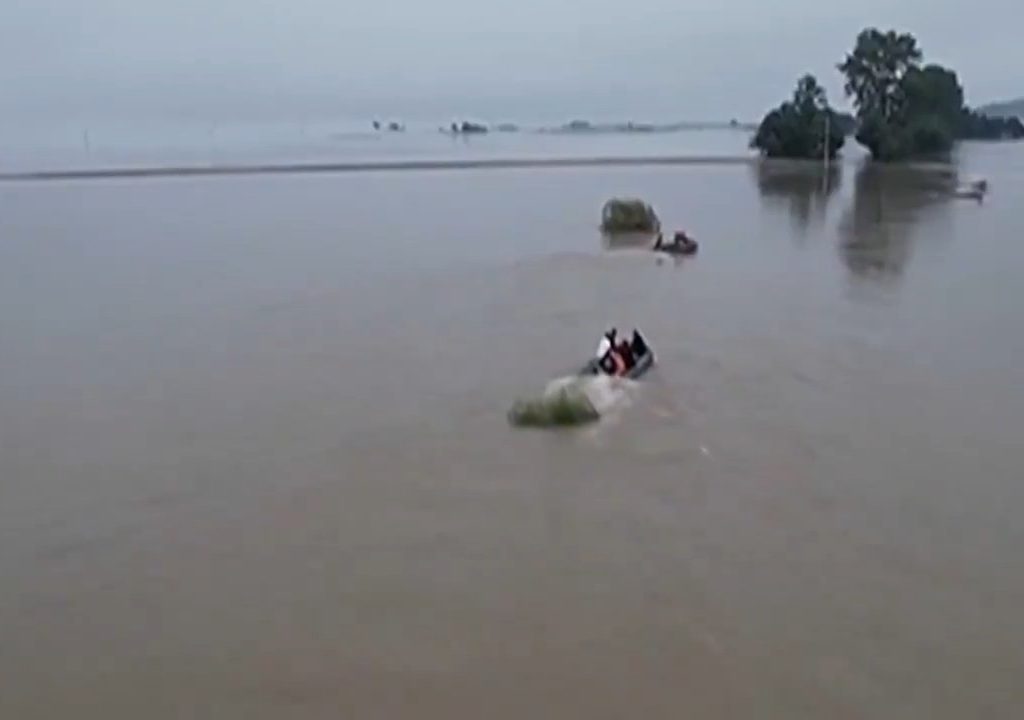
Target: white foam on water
(559, 384)
(609, 395)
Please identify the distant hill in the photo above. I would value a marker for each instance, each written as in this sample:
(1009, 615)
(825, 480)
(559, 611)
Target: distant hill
(1012, 108)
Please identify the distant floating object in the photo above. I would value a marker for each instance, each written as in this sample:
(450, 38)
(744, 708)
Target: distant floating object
(467, 128)
(583, 126)
(681, 244)
(391, 126)
(578, 126)
(629, 215)
(637, 127)
(973, 190)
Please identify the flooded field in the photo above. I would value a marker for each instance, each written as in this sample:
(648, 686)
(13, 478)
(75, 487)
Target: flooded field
(254, 461)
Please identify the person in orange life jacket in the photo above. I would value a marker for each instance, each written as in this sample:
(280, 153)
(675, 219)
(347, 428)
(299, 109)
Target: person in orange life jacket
(615, 357)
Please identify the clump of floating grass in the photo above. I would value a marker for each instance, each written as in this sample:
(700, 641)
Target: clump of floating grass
(564, 408)
(629, 215)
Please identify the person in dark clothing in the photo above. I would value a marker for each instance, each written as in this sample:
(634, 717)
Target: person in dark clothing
(681, 244)
(638, 345)
(618, 357)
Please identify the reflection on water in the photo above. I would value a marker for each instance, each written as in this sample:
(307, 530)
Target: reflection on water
(876, 230)
(627, 241)
(804, 189)
(879, 216)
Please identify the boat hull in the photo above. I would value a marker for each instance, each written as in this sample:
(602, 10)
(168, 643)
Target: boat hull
(643, 364)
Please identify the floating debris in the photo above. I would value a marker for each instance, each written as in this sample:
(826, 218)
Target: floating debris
(624, 215)
(566, 407)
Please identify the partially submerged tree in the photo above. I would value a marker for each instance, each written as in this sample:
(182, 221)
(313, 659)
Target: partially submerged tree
(875, 73)
(932, 91)
(564, 408)
(875, 69)
(903, 109)
(797, 128)
(906, 110)
(978, 126)
(623, 215)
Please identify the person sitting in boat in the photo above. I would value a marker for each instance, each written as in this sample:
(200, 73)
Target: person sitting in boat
(638, 345)
(625, 351)
(610, 357)
(610, 362)
(681, 244)
(607, 343)
(681, 238)
(619, 357)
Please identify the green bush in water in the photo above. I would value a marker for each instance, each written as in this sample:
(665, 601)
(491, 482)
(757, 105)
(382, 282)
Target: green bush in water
(629, 215)
(564, 408)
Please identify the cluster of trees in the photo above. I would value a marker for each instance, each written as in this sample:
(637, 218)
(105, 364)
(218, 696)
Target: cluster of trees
(903, 109)
(978, 126)
(801, 127)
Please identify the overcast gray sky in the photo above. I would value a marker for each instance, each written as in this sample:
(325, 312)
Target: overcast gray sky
(438, 58)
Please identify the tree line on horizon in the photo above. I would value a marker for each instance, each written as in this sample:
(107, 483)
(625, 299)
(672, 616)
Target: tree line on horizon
(903, 109)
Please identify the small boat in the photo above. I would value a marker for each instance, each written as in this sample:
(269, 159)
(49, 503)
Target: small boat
(680, 245)
(973, 190)
(643, 363)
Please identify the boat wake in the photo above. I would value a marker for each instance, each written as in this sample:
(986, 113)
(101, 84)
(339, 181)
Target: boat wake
(608, 395)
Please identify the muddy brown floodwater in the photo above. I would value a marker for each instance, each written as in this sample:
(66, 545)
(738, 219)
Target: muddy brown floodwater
(254, 460)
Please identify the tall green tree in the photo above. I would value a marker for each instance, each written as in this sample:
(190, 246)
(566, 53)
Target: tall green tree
(875, 72)
(978, 126)
(904, 109)
(797, 128)
(931, 112)
(875, 69)
(932, 90)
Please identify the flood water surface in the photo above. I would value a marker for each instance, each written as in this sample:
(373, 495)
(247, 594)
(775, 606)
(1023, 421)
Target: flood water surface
(254, 461)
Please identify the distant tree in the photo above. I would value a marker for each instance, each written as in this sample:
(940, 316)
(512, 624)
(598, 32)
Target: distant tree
(935, 115)
(935, 91)
(925, 135)
(875, 69)
(875, 73)
(978, 126)
(809, 96)
(797, 128)
(903, 109)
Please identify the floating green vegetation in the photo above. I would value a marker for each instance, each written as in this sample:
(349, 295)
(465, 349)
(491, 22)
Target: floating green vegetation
(565, 408)
(625, 215)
